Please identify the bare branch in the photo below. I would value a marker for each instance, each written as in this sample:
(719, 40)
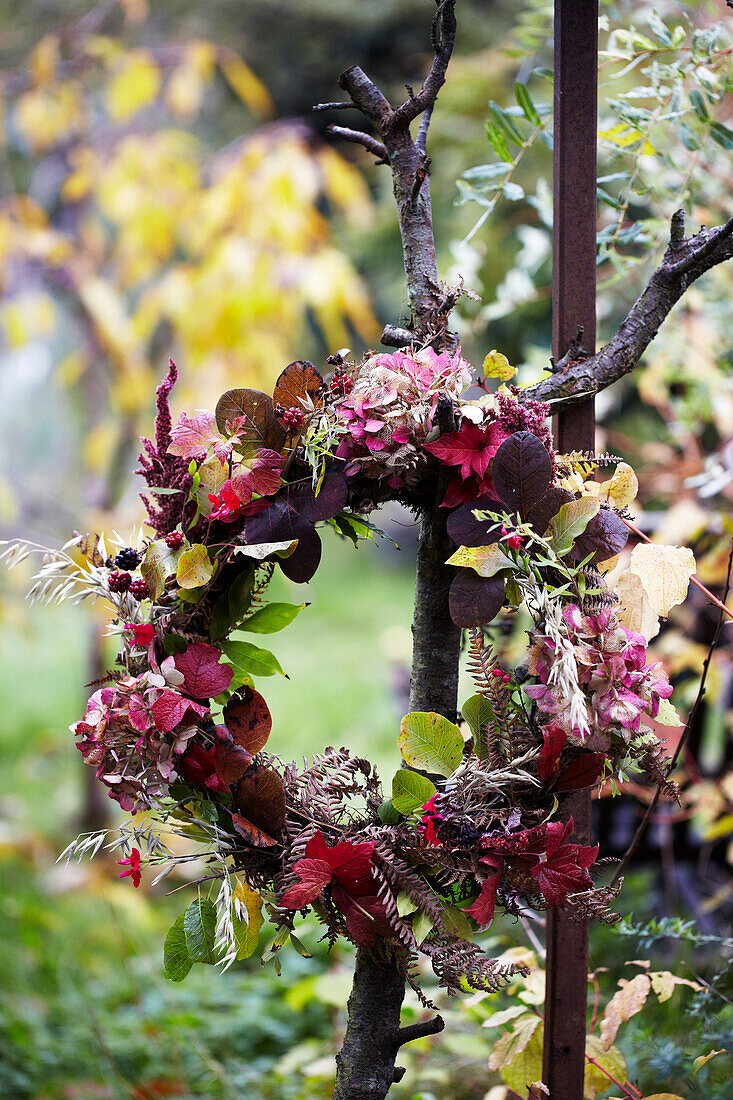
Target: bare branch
(358, 137)
(422, 137)
(577, 376)
(366, 96)
(443, 37)
(396, 337)
(433, 1026)
(343, 105)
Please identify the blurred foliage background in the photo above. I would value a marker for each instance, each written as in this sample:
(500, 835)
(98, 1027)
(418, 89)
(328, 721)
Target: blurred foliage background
(164, 190)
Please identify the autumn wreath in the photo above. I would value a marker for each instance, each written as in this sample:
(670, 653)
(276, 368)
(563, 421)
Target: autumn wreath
(179, 730)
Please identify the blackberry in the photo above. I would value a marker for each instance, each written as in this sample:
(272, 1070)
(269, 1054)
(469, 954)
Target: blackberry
(127, 558)
(119, 582)
(139, 589)
(341, 384)
(174, 540)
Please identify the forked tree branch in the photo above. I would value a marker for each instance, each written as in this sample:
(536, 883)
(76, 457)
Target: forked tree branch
(578, 377)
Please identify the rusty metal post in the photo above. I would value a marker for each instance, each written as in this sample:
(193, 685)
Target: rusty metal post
(573, 306)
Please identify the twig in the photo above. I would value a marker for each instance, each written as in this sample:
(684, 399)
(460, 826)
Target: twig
(629, 853)
(433, 1026)
(358, 137)
(685, 260)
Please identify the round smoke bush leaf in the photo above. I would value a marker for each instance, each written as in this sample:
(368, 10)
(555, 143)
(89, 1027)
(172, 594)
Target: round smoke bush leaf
(252, 414)
(465, 530)
(604, 537)
(522, 470)
(473, 600)
(328, 502)
(300, 386)
(248, 719)
(548, 506)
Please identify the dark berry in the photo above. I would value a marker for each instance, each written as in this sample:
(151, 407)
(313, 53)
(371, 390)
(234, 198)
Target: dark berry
(174, 540)
(139, 589)
(119, 582)
(341, 384)
(127, 558)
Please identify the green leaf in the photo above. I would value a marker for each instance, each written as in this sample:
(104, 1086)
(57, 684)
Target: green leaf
(699, 106)
(410, 790)
(611, 1060)
(498, 143)
(667, 714)
(510, 1045)
(456, 923)
(199, 926)
(387, 813)
(486, 560)
(273, 617)
(250, 659)
(526, 1066)
(430, 742)
(571, 521)
(477, 713)
(422, 926)
(524, 100)
(505, 123)
(158, 564)
(195, 567)
(721, 133)
(176, 959)
(232, 605)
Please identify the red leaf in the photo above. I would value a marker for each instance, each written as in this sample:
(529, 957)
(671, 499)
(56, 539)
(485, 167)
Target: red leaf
(204, 677)
(472, 448)
(249, 720)
(482, 909)
(254, 836)
(565, 872)
(314, 875)
(260, 474)
(553, 740)
(349, 862)
(170, 708)
(231, 759)
(581, 772)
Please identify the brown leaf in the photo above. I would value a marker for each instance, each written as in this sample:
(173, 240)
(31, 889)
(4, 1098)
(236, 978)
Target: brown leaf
(253, 415)
(251, 833)
(260, 796)
(248, 719)
(299, 386)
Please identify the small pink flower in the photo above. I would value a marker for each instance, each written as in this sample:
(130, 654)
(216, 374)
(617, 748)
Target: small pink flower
(133, 867)
(143, 633)
(512, 538)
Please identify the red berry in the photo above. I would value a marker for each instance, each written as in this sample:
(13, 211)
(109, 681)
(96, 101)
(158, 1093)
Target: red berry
(119, 581)
(293, 417)
(506, 679)
(139, 589)
(174, 540)
(496, 672)
(341, 384)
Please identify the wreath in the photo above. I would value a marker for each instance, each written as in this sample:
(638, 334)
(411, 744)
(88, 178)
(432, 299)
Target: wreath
(179, 733)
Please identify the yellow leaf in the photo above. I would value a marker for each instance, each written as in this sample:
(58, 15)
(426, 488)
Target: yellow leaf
(248, 919)
(513, 1042)
(134, 85)
(497, 365)
(700, 1062)
(664, 1096)
(611, 1060)
(623, 136)
(486, 560)
(48, 115)
(248, 87)
(665, 572)
(664, 982)
(188, 81)
(195, 567)
(44, 59)
(636, 610)
(624, 1004)
(622, 488)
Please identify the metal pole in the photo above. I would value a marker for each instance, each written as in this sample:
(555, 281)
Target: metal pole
(573, 306)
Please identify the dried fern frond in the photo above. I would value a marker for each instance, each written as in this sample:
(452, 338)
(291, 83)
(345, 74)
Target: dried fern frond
(585, 462)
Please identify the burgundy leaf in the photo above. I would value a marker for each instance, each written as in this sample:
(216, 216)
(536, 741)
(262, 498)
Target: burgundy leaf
(366, 917)
(331, 498)
(522, 471)
(170, 708)
(472, 448)
(249, 720)
(565, 872)
(546, 507)
(204, 677)
(260, 796)
(473, 600)
(278, 523)
(465, 530)
(231, 759)
(605, 536)
(581, 772)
